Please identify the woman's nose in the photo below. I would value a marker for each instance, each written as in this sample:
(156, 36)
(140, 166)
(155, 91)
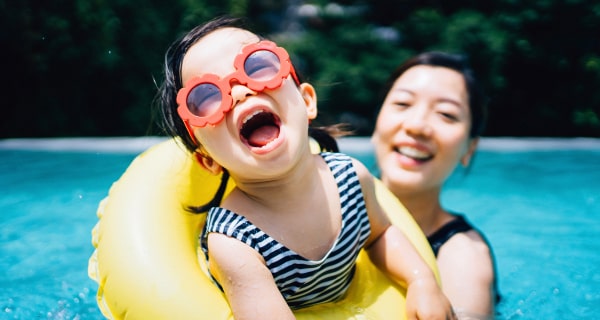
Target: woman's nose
(240, 92)
(416, 122)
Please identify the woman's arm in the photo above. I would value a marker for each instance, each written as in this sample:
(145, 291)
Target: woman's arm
(467, 271)
(246, 280)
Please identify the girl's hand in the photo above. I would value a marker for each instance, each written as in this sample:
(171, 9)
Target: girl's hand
(425, 300)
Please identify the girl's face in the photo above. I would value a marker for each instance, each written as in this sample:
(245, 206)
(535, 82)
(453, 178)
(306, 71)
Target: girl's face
(268, 126)
(422, 131)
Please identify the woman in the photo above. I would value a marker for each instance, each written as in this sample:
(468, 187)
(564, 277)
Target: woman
(430, 121)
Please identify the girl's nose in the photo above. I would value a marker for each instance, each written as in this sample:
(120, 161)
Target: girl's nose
(240, 92)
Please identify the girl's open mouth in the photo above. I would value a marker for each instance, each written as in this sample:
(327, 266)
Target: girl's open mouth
(260, 128)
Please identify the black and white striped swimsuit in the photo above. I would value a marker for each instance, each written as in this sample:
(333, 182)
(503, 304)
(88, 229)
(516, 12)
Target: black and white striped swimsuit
(304, 282)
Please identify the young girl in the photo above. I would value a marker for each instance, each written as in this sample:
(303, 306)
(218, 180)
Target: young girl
(288, 235)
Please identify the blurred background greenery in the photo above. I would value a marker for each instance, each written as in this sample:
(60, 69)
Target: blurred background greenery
(90, 67)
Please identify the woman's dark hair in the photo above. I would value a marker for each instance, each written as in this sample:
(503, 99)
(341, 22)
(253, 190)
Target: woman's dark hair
(458, 63)
(166, 98)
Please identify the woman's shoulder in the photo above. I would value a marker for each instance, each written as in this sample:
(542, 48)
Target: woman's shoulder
(467, 243)
(463, 239)
(467, 253)
(468, 273)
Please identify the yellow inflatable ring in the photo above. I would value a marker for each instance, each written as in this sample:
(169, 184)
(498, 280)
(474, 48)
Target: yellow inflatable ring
(147, 264)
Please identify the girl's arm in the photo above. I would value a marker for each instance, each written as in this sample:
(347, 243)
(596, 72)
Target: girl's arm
(395, 255)
(246, 280)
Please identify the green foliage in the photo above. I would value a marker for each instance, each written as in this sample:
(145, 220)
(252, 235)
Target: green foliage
(349, 72)
(538, 62)
(90, 67)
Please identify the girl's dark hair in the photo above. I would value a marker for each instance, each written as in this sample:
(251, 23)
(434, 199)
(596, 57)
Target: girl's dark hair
(166, 98)
(458, 63)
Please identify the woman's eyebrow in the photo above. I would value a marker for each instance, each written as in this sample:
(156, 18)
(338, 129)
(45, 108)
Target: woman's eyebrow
(401, 89)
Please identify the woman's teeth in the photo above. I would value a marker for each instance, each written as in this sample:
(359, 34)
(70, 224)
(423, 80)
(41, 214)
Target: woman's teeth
(414, 153)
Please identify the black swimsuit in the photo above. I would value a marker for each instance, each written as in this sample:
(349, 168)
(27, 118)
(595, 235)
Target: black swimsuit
(457, 225)
(441, 235)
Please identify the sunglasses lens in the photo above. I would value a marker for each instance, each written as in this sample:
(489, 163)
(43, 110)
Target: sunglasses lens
(262, 65)
(204, 99)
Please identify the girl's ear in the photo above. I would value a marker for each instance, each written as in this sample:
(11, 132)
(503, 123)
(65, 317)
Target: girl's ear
(466, 159)
(208, 163)
(310, 99)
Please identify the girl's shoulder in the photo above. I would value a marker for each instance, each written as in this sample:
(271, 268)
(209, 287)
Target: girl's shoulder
(330, 157)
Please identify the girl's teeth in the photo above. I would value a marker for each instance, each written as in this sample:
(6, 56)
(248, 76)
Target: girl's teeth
(250, 116)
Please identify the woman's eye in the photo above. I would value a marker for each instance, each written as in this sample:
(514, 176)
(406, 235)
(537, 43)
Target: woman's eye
(451, 111)
(402, 104)
(449, 116)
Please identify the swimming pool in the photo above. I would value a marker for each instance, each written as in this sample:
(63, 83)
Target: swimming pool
(537, 201)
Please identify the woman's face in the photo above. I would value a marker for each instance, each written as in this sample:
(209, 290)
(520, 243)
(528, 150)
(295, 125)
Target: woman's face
(263, 126)
(422, 131)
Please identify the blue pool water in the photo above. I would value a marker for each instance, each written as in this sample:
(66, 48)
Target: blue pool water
(538, 203)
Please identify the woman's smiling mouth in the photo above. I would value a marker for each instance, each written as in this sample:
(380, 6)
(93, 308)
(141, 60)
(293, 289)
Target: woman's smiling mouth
(414, 153)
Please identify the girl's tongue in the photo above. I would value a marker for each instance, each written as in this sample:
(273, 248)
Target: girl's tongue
(261, 136)
(260, 128)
